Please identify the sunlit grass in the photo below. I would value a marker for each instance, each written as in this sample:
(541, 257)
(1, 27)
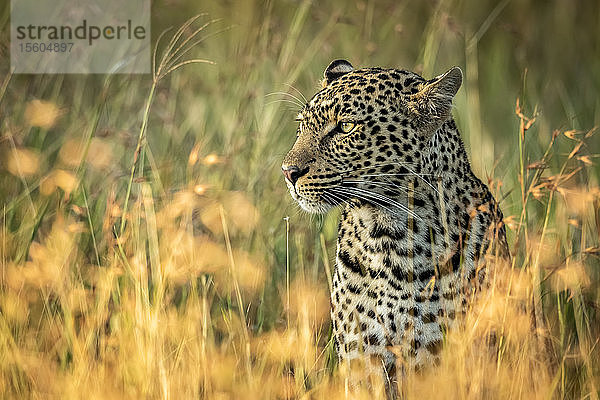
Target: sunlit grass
(144, 248)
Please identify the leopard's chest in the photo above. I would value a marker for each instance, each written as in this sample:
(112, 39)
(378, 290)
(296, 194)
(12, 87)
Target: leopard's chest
(386, 291)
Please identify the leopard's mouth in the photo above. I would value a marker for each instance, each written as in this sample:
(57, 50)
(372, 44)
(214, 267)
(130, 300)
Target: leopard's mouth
(320, 199)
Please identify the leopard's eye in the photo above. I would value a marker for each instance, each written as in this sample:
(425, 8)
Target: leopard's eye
(346, 127)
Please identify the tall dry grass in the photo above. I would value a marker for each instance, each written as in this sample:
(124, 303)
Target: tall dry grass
(148, 248)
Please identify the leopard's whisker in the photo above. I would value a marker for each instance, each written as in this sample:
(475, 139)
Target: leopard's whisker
(368, 184)
(339, 200)
(296, 100)
(387, 179)
(420, 176)
(384, 198)
(388, 187)
(374, 183)
(362, 197)
(297, 91)
(376, 196)
(349, 193)
(401, 188)
(328, 199)
(285, 101)
(369, 194)
(410, 173)
(347, 199)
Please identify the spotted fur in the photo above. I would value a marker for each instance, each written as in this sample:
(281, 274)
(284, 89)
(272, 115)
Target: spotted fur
(415, 221)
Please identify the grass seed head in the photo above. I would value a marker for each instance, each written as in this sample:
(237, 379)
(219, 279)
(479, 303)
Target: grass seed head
(43, 114)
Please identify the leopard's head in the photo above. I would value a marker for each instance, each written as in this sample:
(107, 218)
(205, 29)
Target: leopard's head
(363, 123)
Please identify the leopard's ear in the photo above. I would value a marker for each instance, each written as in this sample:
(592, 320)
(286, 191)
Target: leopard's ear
(434, 101)
(336, 69)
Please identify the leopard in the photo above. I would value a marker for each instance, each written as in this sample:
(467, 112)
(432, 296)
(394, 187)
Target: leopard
(416, 223)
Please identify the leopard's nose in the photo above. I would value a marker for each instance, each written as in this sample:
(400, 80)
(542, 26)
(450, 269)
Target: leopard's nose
(293, 173)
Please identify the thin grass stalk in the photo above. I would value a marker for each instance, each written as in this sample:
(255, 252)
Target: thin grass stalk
(238, 293)
(91, 225)
(93, 127)
(163, 69)
(136, 154)
(326, 262)
(287, 270)
(540, 330)
(581, 323)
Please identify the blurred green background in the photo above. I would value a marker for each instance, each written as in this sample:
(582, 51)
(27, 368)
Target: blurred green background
(219, 132)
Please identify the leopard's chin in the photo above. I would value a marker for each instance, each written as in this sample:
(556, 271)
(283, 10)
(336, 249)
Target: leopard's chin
(311, 206)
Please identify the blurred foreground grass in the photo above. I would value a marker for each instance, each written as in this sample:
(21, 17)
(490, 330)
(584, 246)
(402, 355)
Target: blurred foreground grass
(200, 287)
